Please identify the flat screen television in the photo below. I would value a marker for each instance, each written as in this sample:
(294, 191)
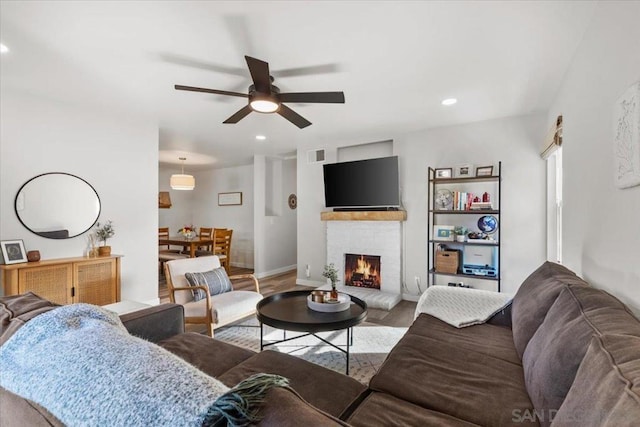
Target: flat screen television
(371, 183)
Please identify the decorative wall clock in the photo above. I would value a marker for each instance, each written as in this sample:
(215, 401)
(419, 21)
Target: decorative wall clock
(293, 201)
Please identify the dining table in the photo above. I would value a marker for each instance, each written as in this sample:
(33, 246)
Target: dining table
(191, 243)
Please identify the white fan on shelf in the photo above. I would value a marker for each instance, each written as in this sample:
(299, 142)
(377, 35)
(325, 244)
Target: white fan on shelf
(444, 200)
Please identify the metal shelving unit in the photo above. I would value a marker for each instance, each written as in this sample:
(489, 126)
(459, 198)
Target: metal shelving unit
(434, 215)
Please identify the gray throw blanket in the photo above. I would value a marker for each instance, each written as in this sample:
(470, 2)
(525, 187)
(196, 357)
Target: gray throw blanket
(80, 363)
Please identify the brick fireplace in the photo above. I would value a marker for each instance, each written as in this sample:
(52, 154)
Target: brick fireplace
(370, 238)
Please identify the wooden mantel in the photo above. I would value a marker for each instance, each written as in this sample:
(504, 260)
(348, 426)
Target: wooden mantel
(364, 216)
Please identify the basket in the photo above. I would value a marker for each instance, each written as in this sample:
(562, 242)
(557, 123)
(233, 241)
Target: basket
(447, 262)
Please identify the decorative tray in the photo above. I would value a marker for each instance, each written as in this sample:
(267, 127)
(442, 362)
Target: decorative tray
(343, 303)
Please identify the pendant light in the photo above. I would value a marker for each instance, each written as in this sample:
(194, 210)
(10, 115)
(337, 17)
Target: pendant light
(182, 181)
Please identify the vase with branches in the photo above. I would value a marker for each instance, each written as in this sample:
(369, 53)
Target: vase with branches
(331, 273)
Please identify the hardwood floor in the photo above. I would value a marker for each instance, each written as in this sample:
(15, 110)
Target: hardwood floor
(400, 316)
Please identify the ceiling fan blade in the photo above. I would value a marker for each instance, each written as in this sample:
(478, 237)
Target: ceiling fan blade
(260, 74)
(307, 71)
(313, 97)
(239, 115)
(202, 65)
(293, 117)
(216, 91)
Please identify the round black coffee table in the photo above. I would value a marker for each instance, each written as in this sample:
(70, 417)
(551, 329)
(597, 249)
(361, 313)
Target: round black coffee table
(289, 311)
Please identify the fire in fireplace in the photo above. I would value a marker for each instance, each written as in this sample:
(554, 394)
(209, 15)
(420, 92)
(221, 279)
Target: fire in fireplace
(362, 271)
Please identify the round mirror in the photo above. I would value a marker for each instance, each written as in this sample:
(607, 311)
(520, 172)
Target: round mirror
(57, 205)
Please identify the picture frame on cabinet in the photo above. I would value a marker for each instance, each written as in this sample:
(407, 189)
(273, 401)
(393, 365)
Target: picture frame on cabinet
(13, 251)
(441, 173)
(464, 171)
(484, 171)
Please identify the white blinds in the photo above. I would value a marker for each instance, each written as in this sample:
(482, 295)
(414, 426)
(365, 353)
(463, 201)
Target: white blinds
(553, 139)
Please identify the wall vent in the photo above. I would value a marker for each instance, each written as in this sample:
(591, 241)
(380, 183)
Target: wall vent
(315, 156)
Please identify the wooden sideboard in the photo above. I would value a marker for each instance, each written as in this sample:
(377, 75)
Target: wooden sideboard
(66, 280)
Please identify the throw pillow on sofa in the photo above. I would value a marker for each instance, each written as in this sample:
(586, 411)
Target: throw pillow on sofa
(534, 298)
(17, 310)
(216, 280)
(610, 371)
(556, 350)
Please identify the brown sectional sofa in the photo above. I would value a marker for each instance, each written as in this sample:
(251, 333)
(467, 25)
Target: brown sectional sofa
(563, 354)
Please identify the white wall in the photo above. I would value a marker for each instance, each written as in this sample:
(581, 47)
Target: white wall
(601, 225)
(181, 211)
(207, 213)
(275, 235)
(514, 141)
(117, 155)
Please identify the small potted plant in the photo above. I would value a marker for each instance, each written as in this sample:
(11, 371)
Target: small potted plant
(331, 273)
(103, 232)
(460, 233)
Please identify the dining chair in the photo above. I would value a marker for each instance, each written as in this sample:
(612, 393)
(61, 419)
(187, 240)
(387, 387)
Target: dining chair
(165, 253)
(205, 233)
(208, 251)
(213, 310)
(222, 247)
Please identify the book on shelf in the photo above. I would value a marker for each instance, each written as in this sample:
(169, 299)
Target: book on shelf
(479, 206)
(462, 201)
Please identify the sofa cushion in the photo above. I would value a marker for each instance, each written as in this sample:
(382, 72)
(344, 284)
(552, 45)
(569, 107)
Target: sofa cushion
(555, 351)
(381, 409)
(24, 412)
(16, 310)
(610, 371)
(490, 340)
(215, 280)
(325, 389)
(460, 382)
(211, 356)
(284, 407)
(534, 298)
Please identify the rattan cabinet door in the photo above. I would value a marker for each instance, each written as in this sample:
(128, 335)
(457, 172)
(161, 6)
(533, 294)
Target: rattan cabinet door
(96, 281)
(53, 282)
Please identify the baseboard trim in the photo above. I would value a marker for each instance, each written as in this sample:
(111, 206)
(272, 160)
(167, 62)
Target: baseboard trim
(410, 297)
(264, 274)
(306, 282)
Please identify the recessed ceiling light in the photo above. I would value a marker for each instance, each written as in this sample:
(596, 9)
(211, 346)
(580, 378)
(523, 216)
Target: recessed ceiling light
(449, 101)
(3, 48)
(261, 137)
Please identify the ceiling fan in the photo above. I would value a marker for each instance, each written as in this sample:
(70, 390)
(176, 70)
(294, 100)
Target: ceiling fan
(264, 97)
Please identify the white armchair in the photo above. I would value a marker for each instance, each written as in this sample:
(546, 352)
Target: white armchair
(214, 311)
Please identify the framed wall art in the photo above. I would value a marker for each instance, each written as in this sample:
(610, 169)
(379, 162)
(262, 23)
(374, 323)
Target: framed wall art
(626, 138)
(230, 199)
(13, 251)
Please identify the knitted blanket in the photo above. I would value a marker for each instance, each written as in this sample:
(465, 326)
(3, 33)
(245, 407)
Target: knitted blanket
(80, 363)
(461, 307)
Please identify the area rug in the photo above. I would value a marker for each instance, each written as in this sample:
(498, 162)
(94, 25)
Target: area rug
(371, 344)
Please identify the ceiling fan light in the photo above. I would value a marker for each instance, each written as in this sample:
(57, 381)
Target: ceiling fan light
(264, 106)
(182, 182)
